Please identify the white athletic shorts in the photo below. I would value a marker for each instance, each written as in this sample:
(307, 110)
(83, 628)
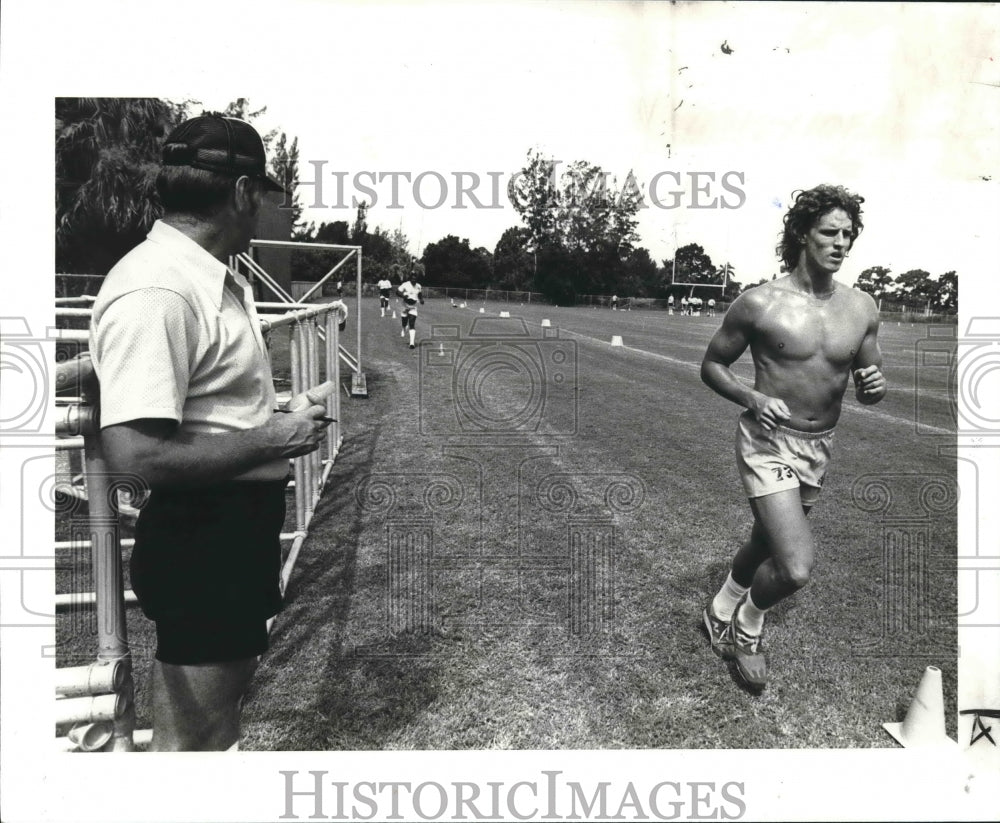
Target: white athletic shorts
(781, 459)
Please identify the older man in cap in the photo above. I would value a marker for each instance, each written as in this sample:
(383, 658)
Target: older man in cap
(188, 404)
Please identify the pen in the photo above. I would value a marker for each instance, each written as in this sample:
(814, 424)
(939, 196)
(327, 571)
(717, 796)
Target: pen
(289, 411)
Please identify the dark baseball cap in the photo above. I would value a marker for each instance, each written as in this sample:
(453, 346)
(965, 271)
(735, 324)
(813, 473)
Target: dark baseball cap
(224, 145)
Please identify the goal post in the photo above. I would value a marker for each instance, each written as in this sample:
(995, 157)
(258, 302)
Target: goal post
(721, 286)
(359, 386)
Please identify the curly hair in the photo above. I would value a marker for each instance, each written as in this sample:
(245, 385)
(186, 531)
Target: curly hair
(808, 208)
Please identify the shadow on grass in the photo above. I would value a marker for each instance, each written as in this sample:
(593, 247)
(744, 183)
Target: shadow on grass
(312, 691)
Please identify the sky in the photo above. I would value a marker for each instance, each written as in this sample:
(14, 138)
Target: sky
(896, 101)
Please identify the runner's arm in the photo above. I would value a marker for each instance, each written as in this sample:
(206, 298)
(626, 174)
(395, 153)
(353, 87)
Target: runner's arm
(725, 348)
(869, 382)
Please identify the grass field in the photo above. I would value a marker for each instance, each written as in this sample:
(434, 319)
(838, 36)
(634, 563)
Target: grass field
(523, 564)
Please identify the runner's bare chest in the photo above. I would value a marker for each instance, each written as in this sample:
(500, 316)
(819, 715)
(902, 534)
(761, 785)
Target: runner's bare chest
(798, 327)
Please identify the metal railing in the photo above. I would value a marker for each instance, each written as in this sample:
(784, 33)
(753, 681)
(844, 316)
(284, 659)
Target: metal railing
(95, 709)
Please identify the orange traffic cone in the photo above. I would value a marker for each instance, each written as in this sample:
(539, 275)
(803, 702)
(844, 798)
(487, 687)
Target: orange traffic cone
(924, 722)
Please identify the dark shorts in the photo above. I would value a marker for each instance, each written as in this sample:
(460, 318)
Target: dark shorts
(210, 640)
(211, 558)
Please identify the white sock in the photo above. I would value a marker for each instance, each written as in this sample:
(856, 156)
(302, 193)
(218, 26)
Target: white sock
(728, 598)
(413, 335)
(751, 618)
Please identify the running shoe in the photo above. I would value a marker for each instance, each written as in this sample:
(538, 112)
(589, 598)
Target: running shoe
(745, 650)
(718, 631)
(412, 346)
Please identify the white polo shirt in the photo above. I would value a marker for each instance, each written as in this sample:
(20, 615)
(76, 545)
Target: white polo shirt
(174, 335)
(409, 291)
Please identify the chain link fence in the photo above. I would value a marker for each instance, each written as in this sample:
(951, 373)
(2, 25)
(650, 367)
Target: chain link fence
(74, 285)
(902, 312)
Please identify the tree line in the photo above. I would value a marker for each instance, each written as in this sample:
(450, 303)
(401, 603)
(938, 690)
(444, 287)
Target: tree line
(577, 234)
(578, 237)
(915, 288)
(108, 152)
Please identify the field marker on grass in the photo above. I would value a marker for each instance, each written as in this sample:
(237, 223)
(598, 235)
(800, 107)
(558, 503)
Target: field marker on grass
(616, 340)
(687, 364)
(482, 310)
(546, 324)
(924, 722)
(505, 314)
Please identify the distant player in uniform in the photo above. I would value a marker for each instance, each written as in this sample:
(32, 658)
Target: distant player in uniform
(711, 307)
(614, 302)
(684, 305)
(670, 304)
(808, 336)
(411, 293)
(384, 293)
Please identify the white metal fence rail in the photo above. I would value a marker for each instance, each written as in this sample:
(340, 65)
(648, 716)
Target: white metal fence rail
(95, 708)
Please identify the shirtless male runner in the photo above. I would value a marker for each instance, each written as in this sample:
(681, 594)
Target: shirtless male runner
(807, 335)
